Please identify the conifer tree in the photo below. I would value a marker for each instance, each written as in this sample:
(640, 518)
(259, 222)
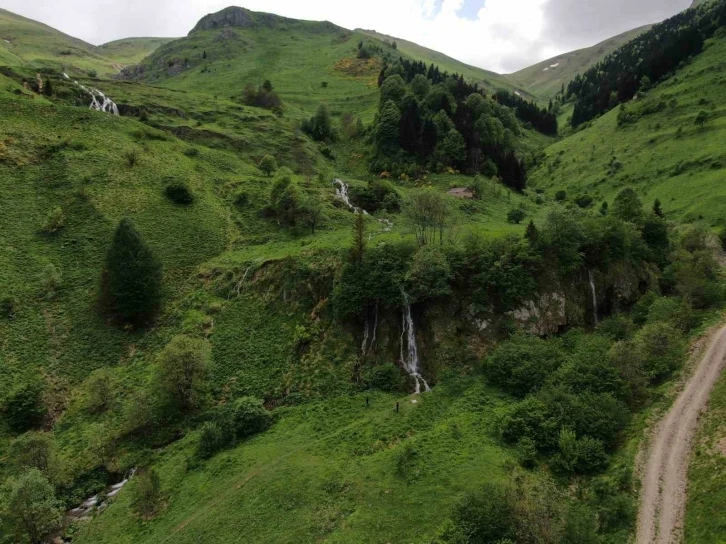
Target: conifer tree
(131, 279)
(657, 209)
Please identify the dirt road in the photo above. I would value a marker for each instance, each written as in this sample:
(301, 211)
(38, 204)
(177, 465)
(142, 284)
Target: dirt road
(665, 478)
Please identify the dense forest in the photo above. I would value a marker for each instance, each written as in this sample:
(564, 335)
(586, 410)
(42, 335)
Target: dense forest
(443, 123)
(646, 60)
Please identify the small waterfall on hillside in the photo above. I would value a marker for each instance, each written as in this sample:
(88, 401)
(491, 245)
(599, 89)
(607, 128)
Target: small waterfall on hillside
(366, 346)
(341, 191)
(99, 502)
(409, 358)
(99, 101)
(594, 298)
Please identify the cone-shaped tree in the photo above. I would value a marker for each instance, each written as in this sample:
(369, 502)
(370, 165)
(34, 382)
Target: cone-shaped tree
(131, 279)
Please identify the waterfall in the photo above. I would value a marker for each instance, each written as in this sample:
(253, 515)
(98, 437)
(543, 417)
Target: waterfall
(99, 101)
(341, 191)
(410, 357)
(366, 346)
(97, 501)
(594, 298)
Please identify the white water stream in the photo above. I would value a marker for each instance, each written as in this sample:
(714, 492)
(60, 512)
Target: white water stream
(341, 191)
(594, 298)
(99, 101)
(409, 356)
(367, 345)
(98, 502)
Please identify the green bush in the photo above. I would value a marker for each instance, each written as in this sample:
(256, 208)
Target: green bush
(250, 417)
(50, 281)
(33, 450)
(485, 516)
(9, 306)
(211, 439)
(23, 406)
(131, 156)
(241, 198)
(268, 165)
(560, 196)
(182, 372)
(523, 363)
(516, 215)
(384, 377)
(146, 496)
(54, 221)
(179, 193)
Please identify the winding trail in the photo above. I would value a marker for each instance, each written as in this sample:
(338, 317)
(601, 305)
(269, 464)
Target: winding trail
(665, 478)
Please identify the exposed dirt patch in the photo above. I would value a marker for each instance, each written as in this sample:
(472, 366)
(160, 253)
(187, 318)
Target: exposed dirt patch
(722, 447)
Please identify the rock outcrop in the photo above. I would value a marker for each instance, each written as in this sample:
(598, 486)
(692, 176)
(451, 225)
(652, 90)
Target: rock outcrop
(238, 18)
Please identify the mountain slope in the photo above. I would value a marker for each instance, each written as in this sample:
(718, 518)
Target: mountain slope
(24, 41)
(547, 77)
(487, 79)
(664, 153)
(131, 50)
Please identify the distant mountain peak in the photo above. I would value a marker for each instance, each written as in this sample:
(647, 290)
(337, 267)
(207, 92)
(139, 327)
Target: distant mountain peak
(238, 17)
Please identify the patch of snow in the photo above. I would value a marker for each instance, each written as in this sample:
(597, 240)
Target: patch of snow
(6, 41)
(555, 65)
(545, 69)
(515, 92)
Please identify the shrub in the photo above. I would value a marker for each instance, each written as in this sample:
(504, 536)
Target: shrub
(268, 165)
(261, 97)
(99, 391)
(486, 516)
(182, 370)
(211, 440)
(30, 507)
(131, 278)
(660, 346)
(146, 493)
(23, 405)
(50, 281)
(250, 417)
(179, 193)
(54, 221)
(33, 450)
(320, 127)
(584, 201)
(191, 152)
(429, 275)
(521, 364)
(516, 216)
(9, 306)
(527, 452)
(584, 455)
(560, 196)
(384, 377)
(241, 198)
(92, 74)
(131, 156)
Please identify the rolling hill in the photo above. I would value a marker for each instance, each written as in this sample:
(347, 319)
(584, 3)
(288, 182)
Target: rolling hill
(131, 50)
(27, 42)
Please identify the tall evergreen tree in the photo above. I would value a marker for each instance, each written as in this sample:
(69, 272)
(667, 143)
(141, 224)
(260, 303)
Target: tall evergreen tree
(387, 131)
(131, 282)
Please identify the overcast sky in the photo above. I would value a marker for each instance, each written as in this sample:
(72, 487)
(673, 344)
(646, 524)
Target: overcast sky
(499, 35)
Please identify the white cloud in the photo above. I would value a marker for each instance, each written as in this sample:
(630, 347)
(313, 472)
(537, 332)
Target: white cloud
(506, 34)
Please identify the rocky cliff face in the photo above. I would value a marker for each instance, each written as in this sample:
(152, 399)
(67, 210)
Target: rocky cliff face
(238, 18)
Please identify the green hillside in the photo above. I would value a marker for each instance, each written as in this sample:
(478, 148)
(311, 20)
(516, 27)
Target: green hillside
(27, 42)
(131, 50)
(546, 78)
(489, 80)
(468, 358)
(661, 151)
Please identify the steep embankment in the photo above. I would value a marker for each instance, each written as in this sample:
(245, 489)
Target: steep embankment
(664, 483)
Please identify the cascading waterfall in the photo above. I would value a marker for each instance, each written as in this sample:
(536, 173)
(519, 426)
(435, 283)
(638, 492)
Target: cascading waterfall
(341, 191)
(410, 357)
(99, 101)
(97, 501)
(594, 298)
(366, 345)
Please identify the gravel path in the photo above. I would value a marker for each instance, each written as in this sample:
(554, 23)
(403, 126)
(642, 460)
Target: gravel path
(665, 478)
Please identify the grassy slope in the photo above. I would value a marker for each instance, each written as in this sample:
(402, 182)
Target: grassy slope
(131, 50)
(685, 172)
(490, 80)
(545, 81)
(328, 471)
(39, 45)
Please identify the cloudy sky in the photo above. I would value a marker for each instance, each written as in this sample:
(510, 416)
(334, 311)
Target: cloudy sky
(499, 35)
